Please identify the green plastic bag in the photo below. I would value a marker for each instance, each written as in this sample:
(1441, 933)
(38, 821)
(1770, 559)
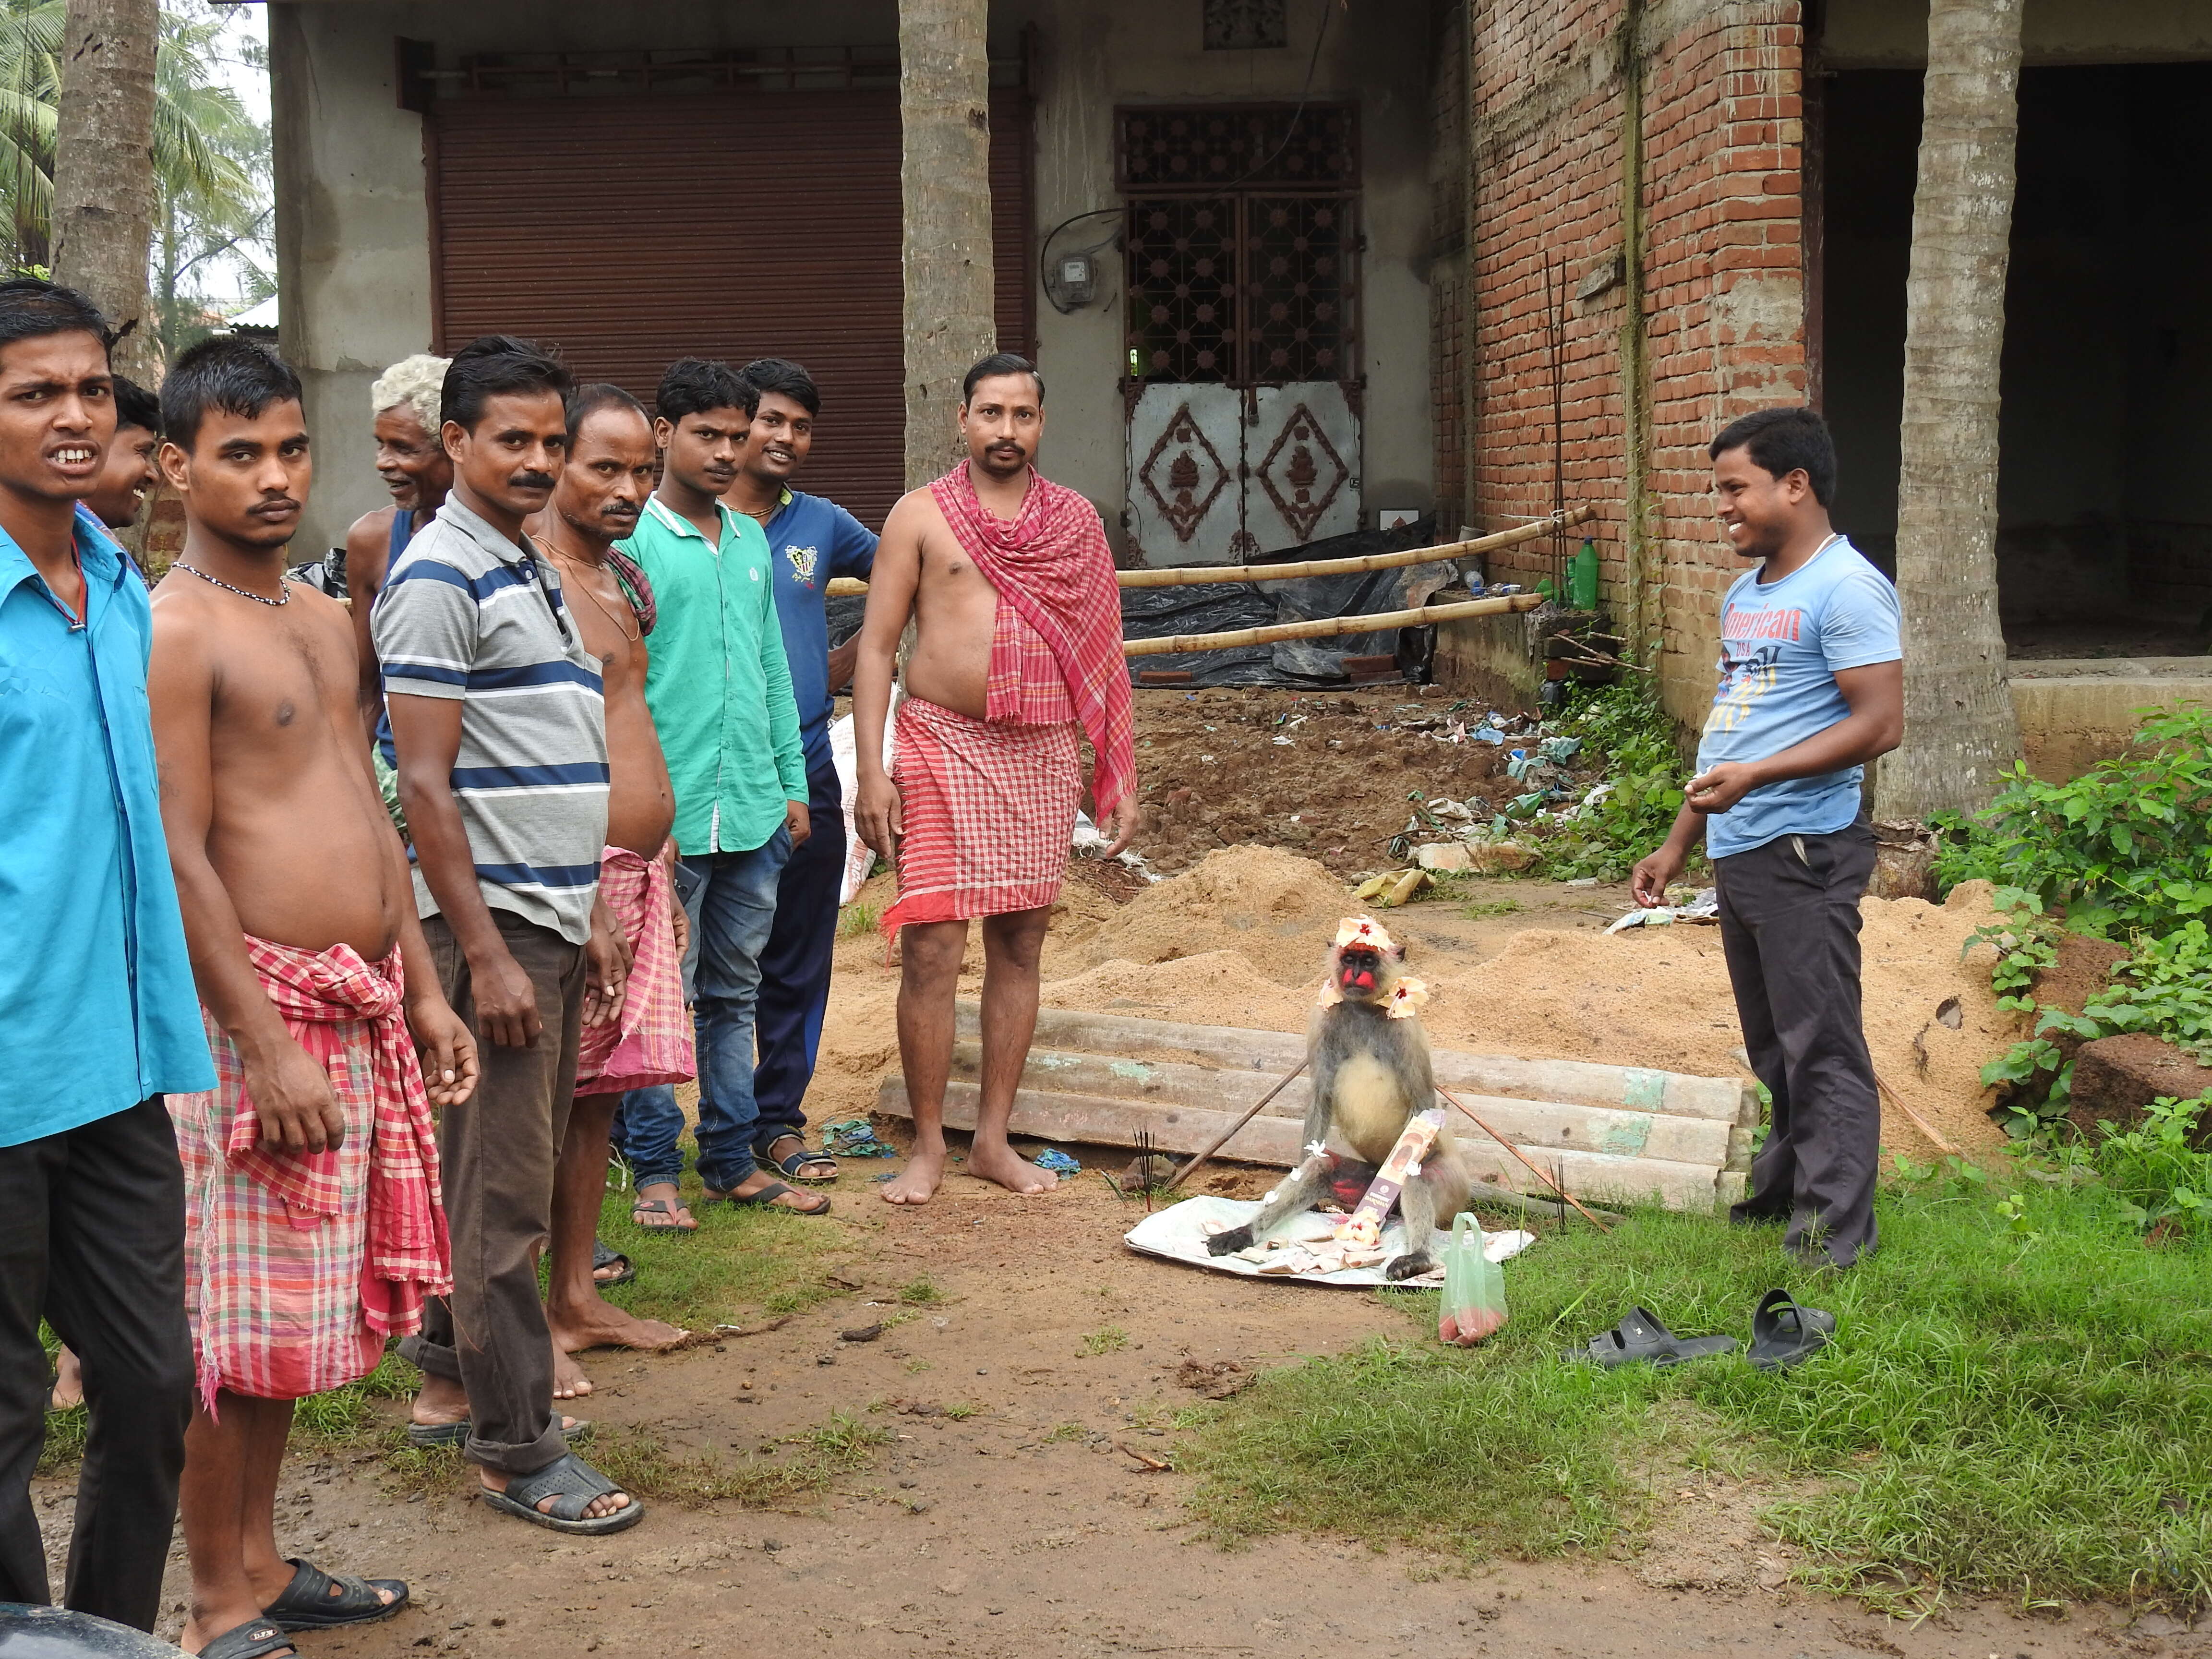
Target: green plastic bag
(1474, 1287)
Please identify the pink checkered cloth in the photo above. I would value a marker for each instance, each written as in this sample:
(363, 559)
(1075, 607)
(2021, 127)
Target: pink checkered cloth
(1051, 565)
(987, 808)
(300, 1266)
(651, 1041)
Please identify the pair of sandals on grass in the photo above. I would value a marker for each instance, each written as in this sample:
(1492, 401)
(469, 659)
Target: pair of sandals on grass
(1783, 1334)
(785, 1153)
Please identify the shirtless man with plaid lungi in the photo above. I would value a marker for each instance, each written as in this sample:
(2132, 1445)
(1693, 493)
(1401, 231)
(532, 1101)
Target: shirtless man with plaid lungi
(313, 1231)
(1018, 657)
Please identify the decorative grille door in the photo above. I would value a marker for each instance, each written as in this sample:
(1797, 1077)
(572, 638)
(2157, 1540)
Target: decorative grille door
(1243, 394)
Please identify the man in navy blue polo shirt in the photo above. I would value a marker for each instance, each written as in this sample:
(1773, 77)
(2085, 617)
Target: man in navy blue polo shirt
(809, 540)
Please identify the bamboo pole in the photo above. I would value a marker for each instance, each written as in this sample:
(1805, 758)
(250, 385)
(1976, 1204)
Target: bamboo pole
(1323, 626)
(1194, 575)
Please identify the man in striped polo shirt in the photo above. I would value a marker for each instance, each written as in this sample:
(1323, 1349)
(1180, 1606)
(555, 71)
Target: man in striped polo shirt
(498, 720)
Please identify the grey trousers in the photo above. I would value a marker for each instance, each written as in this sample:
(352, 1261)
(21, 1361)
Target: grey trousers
(498, 1150)
(1789, 928)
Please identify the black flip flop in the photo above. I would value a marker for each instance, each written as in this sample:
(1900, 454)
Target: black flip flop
(571, 1484)
(603, 1256)
(251, 1640)
(765, 1199)
(661, 1207)
(306, 1603)
(1784, 1335)
(1640, 1339)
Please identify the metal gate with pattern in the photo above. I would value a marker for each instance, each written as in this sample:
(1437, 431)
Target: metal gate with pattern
(1241, 384)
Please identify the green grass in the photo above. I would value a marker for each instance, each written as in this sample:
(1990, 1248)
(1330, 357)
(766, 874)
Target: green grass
(857, 921)
(2019, 1411)
(1486, 908)
(1111, 1339)
(922, 1293)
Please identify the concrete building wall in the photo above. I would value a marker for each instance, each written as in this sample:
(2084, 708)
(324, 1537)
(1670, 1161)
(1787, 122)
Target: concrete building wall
(354, 225)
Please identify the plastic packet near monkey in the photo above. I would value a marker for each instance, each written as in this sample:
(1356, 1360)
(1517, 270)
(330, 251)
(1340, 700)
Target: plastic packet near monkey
(1475, 1288)
(1363, 1226)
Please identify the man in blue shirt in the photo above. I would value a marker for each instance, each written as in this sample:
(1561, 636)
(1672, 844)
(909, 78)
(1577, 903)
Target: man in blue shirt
(99, 1018)
(1812, 688)
(809, 540)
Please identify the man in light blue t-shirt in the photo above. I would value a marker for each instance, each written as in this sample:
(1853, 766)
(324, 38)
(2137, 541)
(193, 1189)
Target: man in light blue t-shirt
(1812, 687)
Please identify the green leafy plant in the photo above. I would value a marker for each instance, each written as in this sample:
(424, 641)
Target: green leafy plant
(2122, 848)
(2158, 1168)
(1642, 747)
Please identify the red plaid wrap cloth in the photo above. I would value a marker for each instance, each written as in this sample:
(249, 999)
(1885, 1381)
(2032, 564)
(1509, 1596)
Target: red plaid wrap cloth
(1051, 565)
(986, 808)
(651, 1041)
(302, 1264)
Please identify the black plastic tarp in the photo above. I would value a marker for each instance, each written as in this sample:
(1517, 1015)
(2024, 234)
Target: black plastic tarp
(1150, 613)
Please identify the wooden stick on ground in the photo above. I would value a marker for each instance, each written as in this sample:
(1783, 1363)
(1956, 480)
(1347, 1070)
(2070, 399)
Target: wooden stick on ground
(1565, 1196)
(1322, 626)
(1918, 1121)
(1230, 1134)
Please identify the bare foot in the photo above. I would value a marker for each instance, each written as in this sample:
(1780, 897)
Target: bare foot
(69, 1381)
(658, 1208)
(1015, 1174)
(600, 1324)
(605, 1504)
(918, 1182)
(569, 1381)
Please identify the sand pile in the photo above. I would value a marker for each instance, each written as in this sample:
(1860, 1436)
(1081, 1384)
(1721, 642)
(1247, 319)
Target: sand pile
(1267, 904)
(1216, 988)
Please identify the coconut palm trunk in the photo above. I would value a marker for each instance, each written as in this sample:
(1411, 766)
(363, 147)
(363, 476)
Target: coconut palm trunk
(104, 166)
(1959, 728)
(944, 178)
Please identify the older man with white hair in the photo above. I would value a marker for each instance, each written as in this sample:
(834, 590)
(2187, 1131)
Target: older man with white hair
(412, 460)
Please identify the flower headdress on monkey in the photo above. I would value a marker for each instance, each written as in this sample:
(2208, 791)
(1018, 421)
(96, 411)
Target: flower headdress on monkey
(1365, 933)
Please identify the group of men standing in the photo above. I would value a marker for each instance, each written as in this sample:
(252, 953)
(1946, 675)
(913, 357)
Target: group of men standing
(338, 1085)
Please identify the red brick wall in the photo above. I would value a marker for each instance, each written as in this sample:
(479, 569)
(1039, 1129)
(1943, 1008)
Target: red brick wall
(1721, 322)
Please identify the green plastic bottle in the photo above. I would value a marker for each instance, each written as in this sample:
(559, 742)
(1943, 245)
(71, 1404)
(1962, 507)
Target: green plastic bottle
(1581, 579)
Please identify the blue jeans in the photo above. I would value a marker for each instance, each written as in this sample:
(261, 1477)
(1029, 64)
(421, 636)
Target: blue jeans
(731, 900)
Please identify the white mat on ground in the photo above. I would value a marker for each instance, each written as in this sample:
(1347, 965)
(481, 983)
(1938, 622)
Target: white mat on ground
(1179, 1234)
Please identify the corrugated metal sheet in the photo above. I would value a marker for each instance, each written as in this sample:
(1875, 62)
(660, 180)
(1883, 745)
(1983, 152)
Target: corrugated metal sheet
(633, 231)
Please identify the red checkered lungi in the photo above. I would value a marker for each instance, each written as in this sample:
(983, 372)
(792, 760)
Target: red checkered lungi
(651, 1041)
(986, 810)
(299, 1265)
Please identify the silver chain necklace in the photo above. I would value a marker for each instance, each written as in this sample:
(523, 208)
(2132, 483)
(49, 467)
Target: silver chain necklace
(283, 587)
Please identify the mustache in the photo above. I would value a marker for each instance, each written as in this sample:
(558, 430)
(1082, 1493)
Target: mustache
(619, 510)
(280, 504)
(532, 481)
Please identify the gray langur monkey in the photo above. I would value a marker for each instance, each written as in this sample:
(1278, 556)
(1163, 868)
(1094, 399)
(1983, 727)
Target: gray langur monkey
(1368, 1059)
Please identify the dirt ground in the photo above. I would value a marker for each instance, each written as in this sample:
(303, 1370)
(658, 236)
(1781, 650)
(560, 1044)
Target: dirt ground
(1325, 774)
(989, 1537)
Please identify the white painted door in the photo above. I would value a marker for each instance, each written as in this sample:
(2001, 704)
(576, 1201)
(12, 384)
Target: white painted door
(1186, 459)
(1302, 466)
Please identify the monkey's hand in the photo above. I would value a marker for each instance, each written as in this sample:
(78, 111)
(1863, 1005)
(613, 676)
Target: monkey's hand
(1228, 1243)
(1409, 1266)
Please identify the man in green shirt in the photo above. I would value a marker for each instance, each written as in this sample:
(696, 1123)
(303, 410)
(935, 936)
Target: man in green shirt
(719, 689)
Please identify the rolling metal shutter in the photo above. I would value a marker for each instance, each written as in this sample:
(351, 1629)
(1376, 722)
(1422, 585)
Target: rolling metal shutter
(631, 231)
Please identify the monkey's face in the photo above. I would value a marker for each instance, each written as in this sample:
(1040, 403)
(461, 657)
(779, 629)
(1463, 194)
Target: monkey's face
(1364, 974)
